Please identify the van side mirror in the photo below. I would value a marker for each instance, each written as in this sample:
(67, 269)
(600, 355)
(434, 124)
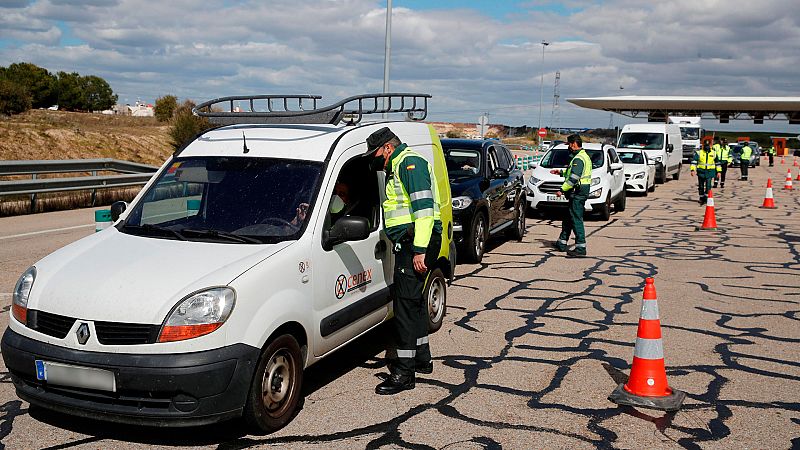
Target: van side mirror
(345, 229)
(117, 208)
(670, 148)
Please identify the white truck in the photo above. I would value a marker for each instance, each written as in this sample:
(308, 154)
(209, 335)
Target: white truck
(691, 132)
(662, 143)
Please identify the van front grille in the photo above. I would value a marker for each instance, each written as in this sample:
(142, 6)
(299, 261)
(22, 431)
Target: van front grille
(108, 333)
(50, 324)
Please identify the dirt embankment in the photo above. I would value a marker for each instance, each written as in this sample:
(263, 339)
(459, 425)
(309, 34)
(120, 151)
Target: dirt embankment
(41, 134)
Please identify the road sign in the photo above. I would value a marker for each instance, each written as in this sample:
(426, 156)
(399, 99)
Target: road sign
(483, 121)
(542, 132)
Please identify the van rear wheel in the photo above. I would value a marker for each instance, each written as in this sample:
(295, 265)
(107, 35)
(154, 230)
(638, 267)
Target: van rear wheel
(435, 294)
(275, 389)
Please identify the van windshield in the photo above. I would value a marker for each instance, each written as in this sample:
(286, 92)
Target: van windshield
(227, 199)
(647, 141)
(690, 133)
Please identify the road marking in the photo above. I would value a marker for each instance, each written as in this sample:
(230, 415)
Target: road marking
(32, 233)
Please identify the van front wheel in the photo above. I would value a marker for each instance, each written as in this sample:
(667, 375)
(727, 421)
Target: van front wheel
(275, 389)
(435, 295)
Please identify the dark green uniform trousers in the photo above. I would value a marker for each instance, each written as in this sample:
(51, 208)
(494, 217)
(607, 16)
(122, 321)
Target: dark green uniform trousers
(704, 179)
(574, 220)
(410, 308)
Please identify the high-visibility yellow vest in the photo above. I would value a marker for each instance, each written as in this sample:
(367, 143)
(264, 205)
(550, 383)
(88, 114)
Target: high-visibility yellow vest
(747, 152)
(397, 206)
(586, 176)
(722, 152)
(705, 161)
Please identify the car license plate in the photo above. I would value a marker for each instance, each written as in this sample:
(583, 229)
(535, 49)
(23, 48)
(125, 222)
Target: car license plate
(75, 376)
(556, 198)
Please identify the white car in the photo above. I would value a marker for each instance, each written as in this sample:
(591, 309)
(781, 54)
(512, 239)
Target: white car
(234, 269)
(608, 180)
(640, 172)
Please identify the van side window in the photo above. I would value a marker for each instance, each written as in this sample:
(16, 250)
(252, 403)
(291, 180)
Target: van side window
(359, 190)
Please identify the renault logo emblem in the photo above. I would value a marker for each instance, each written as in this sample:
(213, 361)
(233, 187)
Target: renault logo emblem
(83, 333)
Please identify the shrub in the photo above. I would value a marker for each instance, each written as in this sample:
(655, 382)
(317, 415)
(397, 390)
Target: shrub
(454, 134)
(14, 99)
(165, 107)
(185, 126)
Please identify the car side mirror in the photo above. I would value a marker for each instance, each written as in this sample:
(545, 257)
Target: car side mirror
(616, 166)
(117, 208)
(347, 228)
(500, 173)
(670, 148)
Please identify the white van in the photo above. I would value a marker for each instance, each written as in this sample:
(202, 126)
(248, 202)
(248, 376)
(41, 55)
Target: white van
(235, 268)
(662, 142)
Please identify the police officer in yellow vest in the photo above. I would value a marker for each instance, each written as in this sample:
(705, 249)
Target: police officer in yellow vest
(744, 162)
(723, 156)
(705, 164)
(413, 224)
(771, 154)
(577, 180)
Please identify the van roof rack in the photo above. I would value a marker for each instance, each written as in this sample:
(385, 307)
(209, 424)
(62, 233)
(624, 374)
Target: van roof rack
(294, 109)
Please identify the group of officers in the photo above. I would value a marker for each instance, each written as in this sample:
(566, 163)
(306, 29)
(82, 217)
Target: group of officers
(711, 162)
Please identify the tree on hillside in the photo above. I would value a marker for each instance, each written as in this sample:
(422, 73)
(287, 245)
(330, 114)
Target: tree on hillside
(40, 84)
(14, 99)
(455, 134)
(185, 126)
(165, 107)
(97, 93)
(70, 95)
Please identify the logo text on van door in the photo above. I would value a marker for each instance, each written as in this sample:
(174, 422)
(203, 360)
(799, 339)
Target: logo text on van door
(345, 284)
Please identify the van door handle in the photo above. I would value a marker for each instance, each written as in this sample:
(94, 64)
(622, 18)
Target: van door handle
(380, 249)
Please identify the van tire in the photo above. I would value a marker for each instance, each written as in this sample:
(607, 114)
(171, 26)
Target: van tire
(661, 174)
(268, 410)
(435, 295)
(619, 205)
(677, 175)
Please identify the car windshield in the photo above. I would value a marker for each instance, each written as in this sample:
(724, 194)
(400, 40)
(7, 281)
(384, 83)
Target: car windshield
(227, 199)
(648, 141)
(462, 162)
(690, 133)
(631, 157)
(559, 158)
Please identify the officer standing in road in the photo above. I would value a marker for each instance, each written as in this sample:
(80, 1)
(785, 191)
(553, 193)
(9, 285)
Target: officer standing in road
(577, 180)
(707, 167)
(723, 156)
(747, 152)
(413, 224)
(771, 154)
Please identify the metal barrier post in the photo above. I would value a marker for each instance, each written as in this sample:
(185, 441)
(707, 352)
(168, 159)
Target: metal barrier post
(94, 191)
(33, 196)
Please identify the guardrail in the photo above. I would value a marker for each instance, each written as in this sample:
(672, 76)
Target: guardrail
(133, 174)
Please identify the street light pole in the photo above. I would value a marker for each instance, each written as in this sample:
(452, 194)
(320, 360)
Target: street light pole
(541, 87)
(387, 58)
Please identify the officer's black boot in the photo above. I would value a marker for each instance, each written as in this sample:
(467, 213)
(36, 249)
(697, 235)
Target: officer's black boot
(394, 384)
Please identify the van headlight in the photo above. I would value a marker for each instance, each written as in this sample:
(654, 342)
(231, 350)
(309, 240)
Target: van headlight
(656, 158)
(199, 314)
(596, 194)
(595, 181)
(22, 292)
(461, 202)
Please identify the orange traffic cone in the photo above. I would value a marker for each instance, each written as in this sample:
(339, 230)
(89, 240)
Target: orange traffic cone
(769, 202)
(795, 162)
(647, 384)
(798, 176)
(783, 161)
(710, 219)
(788, 184)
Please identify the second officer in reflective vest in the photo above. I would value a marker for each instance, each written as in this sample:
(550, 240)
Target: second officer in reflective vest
(413, 224)
(707, 167)
(577, 180)
(744, 162)
(723, 157)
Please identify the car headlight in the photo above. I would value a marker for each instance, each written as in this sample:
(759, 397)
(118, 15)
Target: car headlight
(596, 194)
(595, 181)
(461, 202)
(533, 181)
(22, 292)
(199, 314)
(638, 176)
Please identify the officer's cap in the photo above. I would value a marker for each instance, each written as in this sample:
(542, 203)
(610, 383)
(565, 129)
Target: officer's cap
(379, 138)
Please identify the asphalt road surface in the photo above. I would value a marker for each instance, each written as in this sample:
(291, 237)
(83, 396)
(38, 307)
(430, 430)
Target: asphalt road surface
(533, 342)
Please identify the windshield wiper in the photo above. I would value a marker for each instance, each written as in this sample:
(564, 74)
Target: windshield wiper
(215, 234)
(149, 228)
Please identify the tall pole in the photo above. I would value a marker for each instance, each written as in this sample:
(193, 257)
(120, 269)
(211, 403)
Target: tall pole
(387, 58)
(541, 87)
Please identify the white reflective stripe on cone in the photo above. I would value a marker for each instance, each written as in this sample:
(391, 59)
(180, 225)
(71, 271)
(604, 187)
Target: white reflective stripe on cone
(647, 349)
(422, 340)
(710, 202)
(649, 310)
(406, 353)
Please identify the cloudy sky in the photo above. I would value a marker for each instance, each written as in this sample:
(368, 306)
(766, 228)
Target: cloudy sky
(473, 56)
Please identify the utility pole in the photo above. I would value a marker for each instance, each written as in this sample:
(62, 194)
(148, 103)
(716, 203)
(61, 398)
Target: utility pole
(387, 55)
(555, 114)
(541, 85)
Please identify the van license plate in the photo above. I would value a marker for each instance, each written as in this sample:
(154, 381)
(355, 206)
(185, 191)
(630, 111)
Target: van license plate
(75, 376)
(555, 198)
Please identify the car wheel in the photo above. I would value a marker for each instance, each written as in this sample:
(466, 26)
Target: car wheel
(619, 205)
(652, 188)
(677, 175)
(605, 210)
(275, 389)
(436, 295)
(476, 240)
(517, 230)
